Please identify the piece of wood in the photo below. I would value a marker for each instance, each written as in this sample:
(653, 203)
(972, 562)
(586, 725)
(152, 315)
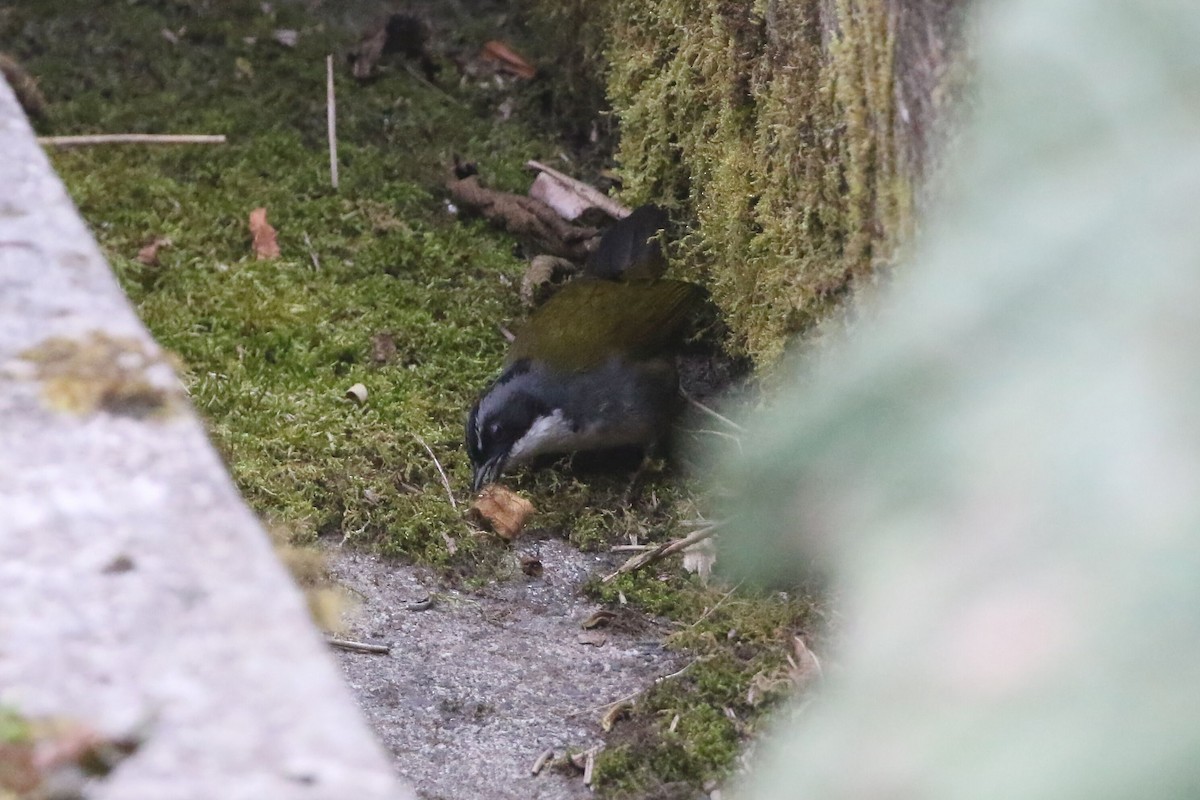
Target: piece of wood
(131, 138)
(590, 194)
(525, 217)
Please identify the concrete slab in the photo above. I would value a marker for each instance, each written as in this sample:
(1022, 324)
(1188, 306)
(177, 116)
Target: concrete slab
(137, 591)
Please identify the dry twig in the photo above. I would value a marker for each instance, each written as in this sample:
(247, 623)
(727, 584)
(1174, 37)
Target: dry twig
(662, 551)
(717, 604)
(131, 138)
(442, 472)
(546, 755)
(358, 647)
(712, 413)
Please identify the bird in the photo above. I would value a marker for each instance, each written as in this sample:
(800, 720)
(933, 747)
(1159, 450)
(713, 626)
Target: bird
(591, 370)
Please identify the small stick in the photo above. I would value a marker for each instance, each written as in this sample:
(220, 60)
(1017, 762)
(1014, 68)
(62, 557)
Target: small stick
(589, 193)
(331, 120)
(737, 440)
(442, 472)
(634, 696)
(712, 413)
(717, 604)
(312, 253)
(546, 755)
(631, 548)
(358, 647)
(589, 765)
(131, 138)
(661, 552)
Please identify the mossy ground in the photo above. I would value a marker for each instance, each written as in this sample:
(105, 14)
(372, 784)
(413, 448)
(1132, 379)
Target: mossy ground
(268, 348)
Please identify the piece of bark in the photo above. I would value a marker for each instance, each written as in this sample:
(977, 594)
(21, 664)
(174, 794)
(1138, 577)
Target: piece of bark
(524, 217)
(544, 277)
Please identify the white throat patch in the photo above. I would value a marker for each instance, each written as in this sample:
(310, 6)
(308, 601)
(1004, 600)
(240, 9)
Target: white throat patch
(550, 433)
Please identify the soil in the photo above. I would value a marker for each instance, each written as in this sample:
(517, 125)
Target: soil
(480, 683)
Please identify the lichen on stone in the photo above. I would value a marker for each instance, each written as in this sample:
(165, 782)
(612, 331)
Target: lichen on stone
(102, 373)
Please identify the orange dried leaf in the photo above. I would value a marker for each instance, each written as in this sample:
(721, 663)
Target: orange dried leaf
(265, 245)
(507, 59)
(503, 510)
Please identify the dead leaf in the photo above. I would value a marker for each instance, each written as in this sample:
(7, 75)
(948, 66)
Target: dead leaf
(243, 68)
(148, 255)
(507, 59)
(532, 566)
(266, 245)
(503, 510)
(286, 36)
(383, 348)
(598, 619)
(700, 557)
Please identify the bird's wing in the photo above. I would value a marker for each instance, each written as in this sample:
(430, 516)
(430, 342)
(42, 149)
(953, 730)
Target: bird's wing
(589, 321)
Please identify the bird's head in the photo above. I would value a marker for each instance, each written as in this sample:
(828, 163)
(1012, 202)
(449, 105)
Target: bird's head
(511, 422)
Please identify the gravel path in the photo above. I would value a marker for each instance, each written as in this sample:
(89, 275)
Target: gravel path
(481, 683)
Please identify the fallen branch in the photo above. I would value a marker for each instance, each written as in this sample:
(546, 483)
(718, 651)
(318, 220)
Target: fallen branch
(589, 194)
(662, 551)
(131, 138)
(525, 217)
(358, 647)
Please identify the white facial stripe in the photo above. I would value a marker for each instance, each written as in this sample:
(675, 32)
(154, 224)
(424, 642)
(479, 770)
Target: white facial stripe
(548, 434)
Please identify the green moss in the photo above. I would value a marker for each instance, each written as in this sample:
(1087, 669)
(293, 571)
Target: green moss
(268, 348)
(14, 727)
(689, 729)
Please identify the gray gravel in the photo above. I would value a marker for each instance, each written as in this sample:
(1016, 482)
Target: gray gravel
(481, 683)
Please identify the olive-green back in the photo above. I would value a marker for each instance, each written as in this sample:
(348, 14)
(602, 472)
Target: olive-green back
(591, 320)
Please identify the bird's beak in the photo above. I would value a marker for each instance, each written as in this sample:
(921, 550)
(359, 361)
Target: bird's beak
(487, 472)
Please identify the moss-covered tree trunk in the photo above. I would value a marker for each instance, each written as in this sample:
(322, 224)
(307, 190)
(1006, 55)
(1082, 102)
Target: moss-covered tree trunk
(797, 135)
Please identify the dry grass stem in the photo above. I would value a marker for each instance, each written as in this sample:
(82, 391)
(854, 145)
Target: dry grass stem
(442, 472)
(131, 138)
